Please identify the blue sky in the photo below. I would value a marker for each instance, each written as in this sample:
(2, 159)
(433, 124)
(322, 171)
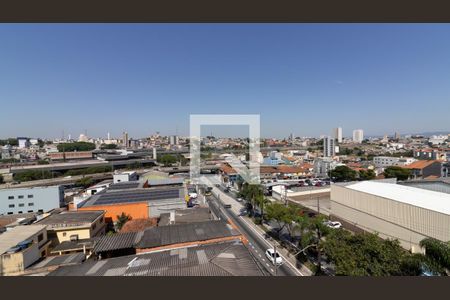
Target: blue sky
(301, 78)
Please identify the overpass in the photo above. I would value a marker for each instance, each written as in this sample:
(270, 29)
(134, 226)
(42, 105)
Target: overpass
(79, 165)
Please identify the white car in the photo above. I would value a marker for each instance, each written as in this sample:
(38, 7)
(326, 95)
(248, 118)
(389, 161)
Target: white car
(274, 257)
(193, 195)
(239, 199)
(333, 224)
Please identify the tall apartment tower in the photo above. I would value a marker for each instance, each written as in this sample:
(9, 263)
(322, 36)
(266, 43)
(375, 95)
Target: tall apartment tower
(358, 136)
(338, 134)
(173, 140)
(329, 146)
(397, 136)
(125, 139)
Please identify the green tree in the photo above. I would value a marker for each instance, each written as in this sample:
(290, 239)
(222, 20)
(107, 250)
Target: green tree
(437, 255)
(84, 182)
(42, 162)
(366, 254)
(397, 172)
(40, 143)
(121, 220)
(108, 146)
(279, 213)
(343, 173)
(167, 160)
(366, 174)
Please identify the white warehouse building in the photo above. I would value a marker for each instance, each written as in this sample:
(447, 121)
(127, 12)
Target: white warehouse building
(394, 211)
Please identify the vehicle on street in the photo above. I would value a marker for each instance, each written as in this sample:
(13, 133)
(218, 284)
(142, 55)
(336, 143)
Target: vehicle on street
(227, 205)
(333, 224)
(239, 199)
(273, 257)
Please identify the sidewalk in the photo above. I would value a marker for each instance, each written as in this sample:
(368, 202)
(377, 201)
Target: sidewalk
(236, 207)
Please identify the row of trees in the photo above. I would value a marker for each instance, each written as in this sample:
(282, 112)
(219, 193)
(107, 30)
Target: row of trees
(168, 159)
(76, 146)
(352, 254)
(344, 173)
(355, 254)
(45, 174)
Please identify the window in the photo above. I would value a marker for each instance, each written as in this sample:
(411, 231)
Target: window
(10, 213)
(20, 197)
(64, 233)
(21, 204)
(30, 196)
(10, 197)
(31, 204)
(11, 205)
(30, 211)
(94, 226)
(40, 210)
(40, 237)
(20, 212)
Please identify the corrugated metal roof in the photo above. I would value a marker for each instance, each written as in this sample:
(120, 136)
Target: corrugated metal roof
(183, 233)
(431, 200)
(116, 241)
(221, 259)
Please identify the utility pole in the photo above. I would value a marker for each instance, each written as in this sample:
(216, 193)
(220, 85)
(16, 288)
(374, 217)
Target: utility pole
(275, 258)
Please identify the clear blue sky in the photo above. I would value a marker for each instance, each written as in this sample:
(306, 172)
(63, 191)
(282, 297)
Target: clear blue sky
(301, 78)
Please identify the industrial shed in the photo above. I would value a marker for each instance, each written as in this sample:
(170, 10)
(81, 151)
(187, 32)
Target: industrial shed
(405, 213)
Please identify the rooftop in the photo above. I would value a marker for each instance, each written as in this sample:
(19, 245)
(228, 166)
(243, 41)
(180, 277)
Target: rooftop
(427, 199)
(198, 214)
(221, 259)
(420, 164)
(111, 197)
(75, 245)
(118, 241)
(59, 260)
(16, 235)
(72, 218)
(185, 233)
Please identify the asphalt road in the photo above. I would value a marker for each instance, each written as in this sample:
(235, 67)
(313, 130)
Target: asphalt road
(257, 244)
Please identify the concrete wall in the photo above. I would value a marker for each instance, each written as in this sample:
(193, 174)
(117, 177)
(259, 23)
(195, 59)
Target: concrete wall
(41, 198)
(138, 210)
(399, 220)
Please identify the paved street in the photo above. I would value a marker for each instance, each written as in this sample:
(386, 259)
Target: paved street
(255, 235)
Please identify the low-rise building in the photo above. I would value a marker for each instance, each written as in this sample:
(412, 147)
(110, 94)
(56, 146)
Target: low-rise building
(22, 246)
(425, 169)
(394, 211)
(28, 200)
(74, 225)
(125, 177)
(387, 161)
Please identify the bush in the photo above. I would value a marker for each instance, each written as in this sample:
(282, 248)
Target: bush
(32, 175)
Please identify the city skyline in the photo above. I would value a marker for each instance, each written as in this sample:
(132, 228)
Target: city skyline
(304, 79)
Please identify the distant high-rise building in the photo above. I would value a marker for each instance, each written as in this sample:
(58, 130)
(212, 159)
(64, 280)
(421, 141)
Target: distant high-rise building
(125, 139)
(173, 140)
(397, 136)
(338, 134)
(329, 146)
(358, 135)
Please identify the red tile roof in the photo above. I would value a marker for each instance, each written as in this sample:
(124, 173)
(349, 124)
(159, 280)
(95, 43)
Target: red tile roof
(420, 164)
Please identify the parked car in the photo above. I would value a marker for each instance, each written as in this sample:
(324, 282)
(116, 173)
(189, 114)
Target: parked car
(239, 199)
(273, 257)
(333, 224)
